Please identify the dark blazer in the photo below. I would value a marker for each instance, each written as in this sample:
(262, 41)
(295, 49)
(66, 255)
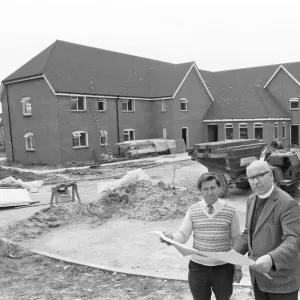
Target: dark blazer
(277, 233)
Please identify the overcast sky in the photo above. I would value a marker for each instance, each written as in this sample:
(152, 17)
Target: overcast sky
(217, 35)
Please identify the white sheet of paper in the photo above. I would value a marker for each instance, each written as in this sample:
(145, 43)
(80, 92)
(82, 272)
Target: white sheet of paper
(227, 257)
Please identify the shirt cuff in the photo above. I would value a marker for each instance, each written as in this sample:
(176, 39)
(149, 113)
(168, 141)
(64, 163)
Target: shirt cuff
(237, 267)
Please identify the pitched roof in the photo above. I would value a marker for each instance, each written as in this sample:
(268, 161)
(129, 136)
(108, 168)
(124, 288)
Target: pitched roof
(256, 103)
(73, 68)
(240, 93)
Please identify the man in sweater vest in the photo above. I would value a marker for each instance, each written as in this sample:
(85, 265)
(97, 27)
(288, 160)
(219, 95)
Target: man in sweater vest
(271, 236)
(215, 227)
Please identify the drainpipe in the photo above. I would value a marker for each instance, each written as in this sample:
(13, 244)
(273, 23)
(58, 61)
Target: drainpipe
(118, 125)
(9, 121)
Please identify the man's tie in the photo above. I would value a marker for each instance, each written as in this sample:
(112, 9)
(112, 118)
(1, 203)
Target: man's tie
(210, 209)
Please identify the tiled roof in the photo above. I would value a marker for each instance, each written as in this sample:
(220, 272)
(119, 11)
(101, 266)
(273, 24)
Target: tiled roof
(256, 103)
(73, 68)
(240, 93)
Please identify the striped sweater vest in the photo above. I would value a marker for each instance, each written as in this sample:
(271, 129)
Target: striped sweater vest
(212, 234)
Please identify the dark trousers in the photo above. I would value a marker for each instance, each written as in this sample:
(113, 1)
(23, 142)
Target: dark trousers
(204, 279)
(260, 295)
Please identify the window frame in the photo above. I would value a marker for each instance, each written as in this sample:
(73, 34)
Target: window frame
(163, 106)
(86, 139)
(127, 101)
(243, 125)
(276, 133)
(76, 98)
(230, 126)
(128, 133)
(185, 101)
(103, 100)
(26, 103)
(29, 136)
(101, 137)
(258, 125)
(294, 100)
(284, 131)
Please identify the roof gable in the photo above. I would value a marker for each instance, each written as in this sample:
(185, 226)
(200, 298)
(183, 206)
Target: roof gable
(77, 69)
(281, 67)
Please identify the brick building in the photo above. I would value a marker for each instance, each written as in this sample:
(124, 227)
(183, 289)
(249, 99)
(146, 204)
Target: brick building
(47, 117)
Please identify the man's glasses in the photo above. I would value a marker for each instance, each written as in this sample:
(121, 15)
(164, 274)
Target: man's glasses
(258, 176)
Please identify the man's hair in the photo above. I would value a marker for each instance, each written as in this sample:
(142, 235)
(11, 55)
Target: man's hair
(208, 177)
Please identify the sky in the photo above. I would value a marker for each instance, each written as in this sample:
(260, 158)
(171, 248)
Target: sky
(217, 35)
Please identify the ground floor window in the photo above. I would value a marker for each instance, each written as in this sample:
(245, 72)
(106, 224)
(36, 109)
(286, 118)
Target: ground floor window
(283, 130)
(103, 137)
(243, 128)
(228, 131)
(129, 135)
(29, 141)
(258, 131)
(276, 131)
(79, 139)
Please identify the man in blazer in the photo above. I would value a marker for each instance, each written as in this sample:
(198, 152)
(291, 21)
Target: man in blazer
(271, 236)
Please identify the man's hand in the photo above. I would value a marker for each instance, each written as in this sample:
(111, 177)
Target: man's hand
(168, 235)
(263, 264)
(237, 275)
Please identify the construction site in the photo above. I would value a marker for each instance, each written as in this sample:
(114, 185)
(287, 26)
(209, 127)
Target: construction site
(79, 232)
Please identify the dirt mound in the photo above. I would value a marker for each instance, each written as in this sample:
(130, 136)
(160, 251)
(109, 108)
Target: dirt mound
(148, 202)
(25, 176)
(138, 200)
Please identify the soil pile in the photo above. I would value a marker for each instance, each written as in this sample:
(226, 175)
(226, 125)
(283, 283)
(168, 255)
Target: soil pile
(25, 176)
(138, 200)
(151, 203)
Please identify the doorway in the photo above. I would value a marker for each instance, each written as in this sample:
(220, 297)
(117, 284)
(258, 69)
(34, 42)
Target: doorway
(213, 133)
(295, 134)
(185, 135)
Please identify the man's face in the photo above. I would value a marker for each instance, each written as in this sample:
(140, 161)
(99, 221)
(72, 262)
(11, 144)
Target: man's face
(263, 181)
(210, 191)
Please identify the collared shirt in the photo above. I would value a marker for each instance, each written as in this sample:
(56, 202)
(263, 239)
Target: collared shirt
(186, 229)
(267, 195)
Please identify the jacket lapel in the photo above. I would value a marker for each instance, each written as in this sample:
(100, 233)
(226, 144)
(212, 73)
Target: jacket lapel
(268, 208)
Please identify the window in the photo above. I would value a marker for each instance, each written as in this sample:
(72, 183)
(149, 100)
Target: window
(243, 128)
(183, 104)
(228, 131)
(102, 104)
(26, 106)
(128, 135)
(78, 103)
(258, 131)
(283, 130)
(103, 137)
(163, 105)
(128, 105)
(276, 131)
(79, 139)
(294, 104)
(165, 133)
(29, 142)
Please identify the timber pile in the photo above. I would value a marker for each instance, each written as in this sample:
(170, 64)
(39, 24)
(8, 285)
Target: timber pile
(229, 155)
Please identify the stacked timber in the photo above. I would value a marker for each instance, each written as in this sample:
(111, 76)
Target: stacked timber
(229, 154)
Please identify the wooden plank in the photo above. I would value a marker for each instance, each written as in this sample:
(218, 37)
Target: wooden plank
(224, 144)
(232, 148)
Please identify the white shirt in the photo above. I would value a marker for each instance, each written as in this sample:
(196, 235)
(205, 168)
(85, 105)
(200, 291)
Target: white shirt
(186, 229)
